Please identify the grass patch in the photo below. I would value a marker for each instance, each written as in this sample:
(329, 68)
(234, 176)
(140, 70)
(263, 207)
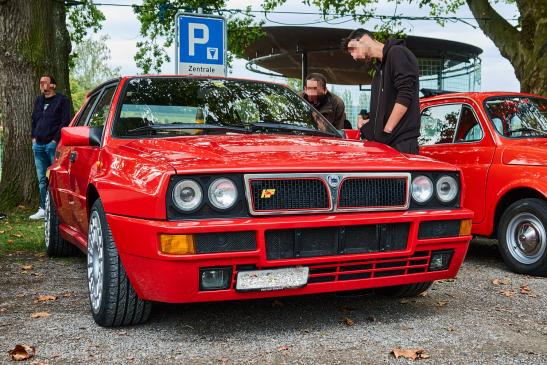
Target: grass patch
(19, 233)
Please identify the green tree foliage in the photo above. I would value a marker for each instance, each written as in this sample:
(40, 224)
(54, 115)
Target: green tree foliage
(91, 66)
(157, 27)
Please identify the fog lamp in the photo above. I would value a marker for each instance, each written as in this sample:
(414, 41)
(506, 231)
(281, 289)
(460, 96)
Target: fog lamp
(215, 278)
(177, 244)
(440, 260)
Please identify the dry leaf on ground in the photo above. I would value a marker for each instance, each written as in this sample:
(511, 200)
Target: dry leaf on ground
(9, 242)
(282, 348)
(27, 267)
(2, 232)
(277, 304)
(22, 352)
(441, 303)
(40, 315)
(504, 281)
(348, 321)
(424, 294)
(45, 298)
(507, 293)
(411, 354)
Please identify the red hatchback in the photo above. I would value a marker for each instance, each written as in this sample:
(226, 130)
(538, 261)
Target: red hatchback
(184, 189)
(499, 140)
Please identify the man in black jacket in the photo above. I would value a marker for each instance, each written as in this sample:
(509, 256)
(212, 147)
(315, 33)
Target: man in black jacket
(51, 113)
(394, 100)
(329, 105)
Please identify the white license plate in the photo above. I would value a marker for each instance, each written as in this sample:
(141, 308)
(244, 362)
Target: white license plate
(275, 279)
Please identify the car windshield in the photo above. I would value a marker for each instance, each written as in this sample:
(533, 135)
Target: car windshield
(518, 117)
(166, 106)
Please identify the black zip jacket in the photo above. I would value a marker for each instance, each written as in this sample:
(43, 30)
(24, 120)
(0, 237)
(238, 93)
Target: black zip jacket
(47, 124)
(395, 81)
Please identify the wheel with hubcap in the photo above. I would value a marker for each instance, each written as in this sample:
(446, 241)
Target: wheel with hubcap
(522, 236)
(113, 300)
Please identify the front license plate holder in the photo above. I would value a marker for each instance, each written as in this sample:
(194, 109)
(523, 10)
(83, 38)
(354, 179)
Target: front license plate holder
(273, 279)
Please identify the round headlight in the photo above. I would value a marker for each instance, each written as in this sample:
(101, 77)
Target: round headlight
(422, 189)
(447, 188)
(187, 195)
(223, 193)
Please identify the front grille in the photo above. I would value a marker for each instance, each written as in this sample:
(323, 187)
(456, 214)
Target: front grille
(289, 194)
(313, 242)
(360, 269)
(225, 242)
(371, 268)
(373, 192)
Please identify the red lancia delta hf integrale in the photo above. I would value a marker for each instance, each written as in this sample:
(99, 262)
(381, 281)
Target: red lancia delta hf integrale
(499, 140)
(185, 189)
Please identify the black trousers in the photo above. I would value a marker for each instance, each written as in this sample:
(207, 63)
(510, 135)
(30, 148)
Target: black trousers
(407, 146)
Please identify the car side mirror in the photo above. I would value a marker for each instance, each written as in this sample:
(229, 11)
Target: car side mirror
(352, 134)
(81, 136)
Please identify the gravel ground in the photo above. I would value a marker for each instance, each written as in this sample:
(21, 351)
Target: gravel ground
(470, 320)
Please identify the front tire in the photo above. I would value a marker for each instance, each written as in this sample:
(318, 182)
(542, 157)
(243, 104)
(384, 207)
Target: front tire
(56, 246)
(522, 236)
(402, 291)
(112, 297)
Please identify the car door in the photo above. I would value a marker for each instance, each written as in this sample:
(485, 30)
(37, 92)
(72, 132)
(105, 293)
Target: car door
(452, 132)
(66, 200)
(83, 159)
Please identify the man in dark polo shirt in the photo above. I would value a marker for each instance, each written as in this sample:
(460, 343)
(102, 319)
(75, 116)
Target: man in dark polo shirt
(51, 113)
(328, 104)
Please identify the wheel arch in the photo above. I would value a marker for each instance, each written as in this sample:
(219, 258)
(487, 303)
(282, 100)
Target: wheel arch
(509, 198)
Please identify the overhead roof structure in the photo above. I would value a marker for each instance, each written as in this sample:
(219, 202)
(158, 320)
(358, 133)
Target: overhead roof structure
(294, 52)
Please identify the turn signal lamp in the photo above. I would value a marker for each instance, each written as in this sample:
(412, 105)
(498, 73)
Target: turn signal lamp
(179, 244)
(465, 227)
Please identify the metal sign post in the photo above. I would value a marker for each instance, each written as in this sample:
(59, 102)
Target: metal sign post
(201, 45)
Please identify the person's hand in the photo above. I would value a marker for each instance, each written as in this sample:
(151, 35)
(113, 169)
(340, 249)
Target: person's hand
(361, 122)
(387, 130)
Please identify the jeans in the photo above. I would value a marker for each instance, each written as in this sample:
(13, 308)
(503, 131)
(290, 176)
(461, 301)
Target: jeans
(44, 154)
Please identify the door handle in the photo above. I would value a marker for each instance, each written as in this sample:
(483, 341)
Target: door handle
(73, 156)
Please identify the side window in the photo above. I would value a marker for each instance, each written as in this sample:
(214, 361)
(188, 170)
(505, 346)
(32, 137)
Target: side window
(100, 113)
(469, 129)
(438, 124)
(87, 110)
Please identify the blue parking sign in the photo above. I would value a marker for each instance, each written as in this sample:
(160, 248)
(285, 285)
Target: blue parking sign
(201, 44)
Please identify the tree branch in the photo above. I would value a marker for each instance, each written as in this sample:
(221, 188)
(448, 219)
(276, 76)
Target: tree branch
(503, 34)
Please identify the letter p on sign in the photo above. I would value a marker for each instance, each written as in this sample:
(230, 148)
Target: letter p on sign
(193, 40)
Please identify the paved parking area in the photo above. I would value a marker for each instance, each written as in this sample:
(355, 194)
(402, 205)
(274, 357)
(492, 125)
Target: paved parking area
(486, 315)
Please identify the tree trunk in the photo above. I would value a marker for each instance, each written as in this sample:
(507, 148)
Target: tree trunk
(26, 52)
(526, 48)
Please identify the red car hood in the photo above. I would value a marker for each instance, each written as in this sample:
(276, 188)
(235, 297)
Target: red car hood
(274, 153)
(531, 152)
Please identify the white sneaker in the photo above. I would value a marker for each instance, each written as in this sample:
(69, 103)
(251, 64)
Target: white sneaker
(40, 214)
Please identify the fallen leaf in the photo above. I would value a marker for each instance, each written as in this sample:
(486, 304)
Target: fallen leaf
(451, 329)
(9, 242)
(424, 294)
(441, 303)
(66, 295)
(277, 304)
(18, 235)
(27, 267)
(404, 301)
(40, 315)
(22, 352)
(346, 309)
(2, 232)
(282, 348)
(411, 354)
(45, 298)
(348, 321)
(525, 289)
(504, 281)
(507, 293)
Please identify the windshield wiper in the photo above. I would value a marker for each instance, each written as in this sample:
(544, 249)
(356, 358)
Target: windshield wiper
(290, 127)
(175, 126)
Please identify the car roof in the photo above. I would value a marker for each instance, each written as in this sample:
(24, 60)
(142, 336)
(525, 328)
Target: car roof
(479, 96)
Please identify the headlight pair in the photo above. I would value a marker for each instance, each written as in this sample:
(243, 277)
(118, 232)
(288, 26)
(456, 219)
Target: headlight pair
(446, 189)
(188, 194)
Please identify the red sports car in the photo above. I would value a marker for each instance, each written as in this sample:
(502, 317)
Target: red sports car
(499, 140)
(185, 189)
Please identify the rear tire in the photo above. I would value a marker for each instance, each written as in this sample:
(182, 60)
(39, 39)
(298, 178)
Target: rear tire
(409, 290)
(112, 297)
(522, 237)
(56, 246)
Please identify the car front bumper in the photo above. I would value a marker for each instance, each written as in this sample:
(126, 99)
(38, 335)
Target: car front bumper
(175, 278)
